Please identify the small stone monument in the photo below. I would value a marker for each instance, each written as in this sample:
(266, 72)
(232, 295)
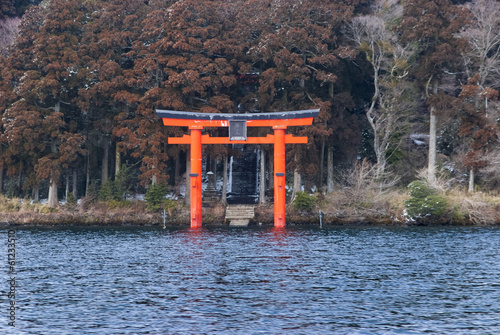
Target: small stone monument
(210, 192)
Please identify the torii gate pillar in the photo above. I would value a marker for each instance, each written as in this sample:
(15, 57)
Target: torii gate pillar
(195, 177)
(279, 177)
(278, 121)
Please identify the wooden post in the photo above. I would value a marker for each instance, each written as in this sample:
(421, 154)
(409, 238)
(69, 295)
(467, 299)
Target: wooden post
(279, 177)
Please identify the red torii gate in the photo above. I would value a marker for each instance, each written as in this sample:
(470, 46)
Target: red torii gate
(237, 124)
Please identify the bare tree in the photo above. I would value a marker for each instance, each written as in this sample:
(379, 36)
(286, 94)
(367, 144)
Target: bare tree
(482, 59)
(8, 30)
(362, 185)
(491, 170)
(387, 112)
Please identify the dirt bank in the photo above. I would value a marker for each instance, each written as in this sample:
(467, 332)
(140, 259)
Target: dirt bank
(212, 216)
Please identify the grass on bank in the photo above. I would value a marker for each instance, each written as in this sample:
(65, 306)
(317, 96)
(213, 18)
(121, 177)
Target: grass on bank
(347, 204)
(457, 207)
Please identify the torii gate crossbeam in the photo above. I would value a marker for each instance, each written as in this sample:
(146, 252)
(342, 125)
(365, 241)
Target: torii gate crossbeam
(279, 123)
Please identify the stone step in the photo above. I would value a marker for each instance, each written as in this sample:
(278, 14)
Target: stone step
(239, 222)
(240, 215)
(248, 208)
(240, 206)
(245, 214)
(242, 210)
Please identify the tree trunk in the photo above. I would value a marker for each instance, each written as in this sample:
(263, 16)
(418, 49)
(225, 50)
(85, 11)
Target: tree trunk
(471, 181)
(87, 174)
(36, 194)
(75, 179)
(381, 163)
(224, 180)
(118, 161)
(154, 180)
(297, 184)
(1, 180)
(329, 162)
(297, 179)
(321, 166)
(271, 170)
(53, 201)
(213, 166)
(431, 170)
(53, 197)
(19, 183)
(432, 148)
(67, 185)
(177, 168)
(471, 171)
(188, 179)
(105, 159)
(262, 190)
(329, 159)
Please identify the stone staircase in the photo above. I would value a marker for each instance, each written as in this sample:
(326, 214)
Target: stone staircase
(240, 215)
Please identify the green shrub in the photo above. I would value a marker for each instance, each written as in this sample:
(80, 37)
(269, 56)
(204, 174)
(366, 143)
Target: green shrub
(169, 205)
(91, 193)
(46, 209)
(304, 201)
(458, 215)
(425, 204)
(71, 199)
(123, 182)
(117, 190)
(155, 196)
(107, 191)
(420, 189)
(114, 204)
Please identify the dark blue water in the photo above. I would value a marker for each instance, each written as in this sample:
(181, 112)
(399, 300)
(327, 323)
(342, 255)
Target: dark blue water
(255, 281)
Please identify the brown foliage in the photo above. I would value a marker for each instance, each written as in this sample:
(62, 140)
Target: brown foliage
(102, 68)
(434, 25)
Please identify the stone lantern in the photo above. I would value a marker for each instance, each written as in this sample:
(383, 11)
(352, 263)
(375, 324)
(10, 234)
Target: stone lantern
(210, 192)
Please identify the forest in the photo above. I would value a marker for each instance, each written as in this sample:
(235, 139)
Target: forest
(407, 92)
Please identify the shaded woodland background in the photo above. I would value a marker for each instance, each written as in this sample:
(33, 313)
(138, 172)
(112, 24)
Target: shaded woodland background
(401, 86)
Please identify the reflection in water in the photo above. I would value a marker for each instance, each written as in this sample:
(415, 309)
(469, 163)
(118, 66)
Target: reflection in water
(250, 281)
(195, 235)
(279, 234)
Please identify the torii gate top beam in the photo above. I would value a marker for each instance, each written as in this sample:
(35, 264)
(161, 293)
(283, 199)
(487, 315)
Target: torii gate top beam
(194, 119)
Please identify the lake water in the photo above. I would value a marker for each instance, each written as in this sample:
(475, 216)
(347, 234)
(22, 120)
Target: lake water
(352, 280)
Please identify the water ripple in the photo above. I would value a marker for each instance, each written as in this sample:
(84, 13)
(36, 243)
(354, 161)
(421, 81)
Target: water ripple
(257, 281)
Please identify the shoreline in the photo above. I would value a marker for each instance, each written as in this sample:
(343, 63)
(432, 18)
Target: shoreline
(211, 217)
